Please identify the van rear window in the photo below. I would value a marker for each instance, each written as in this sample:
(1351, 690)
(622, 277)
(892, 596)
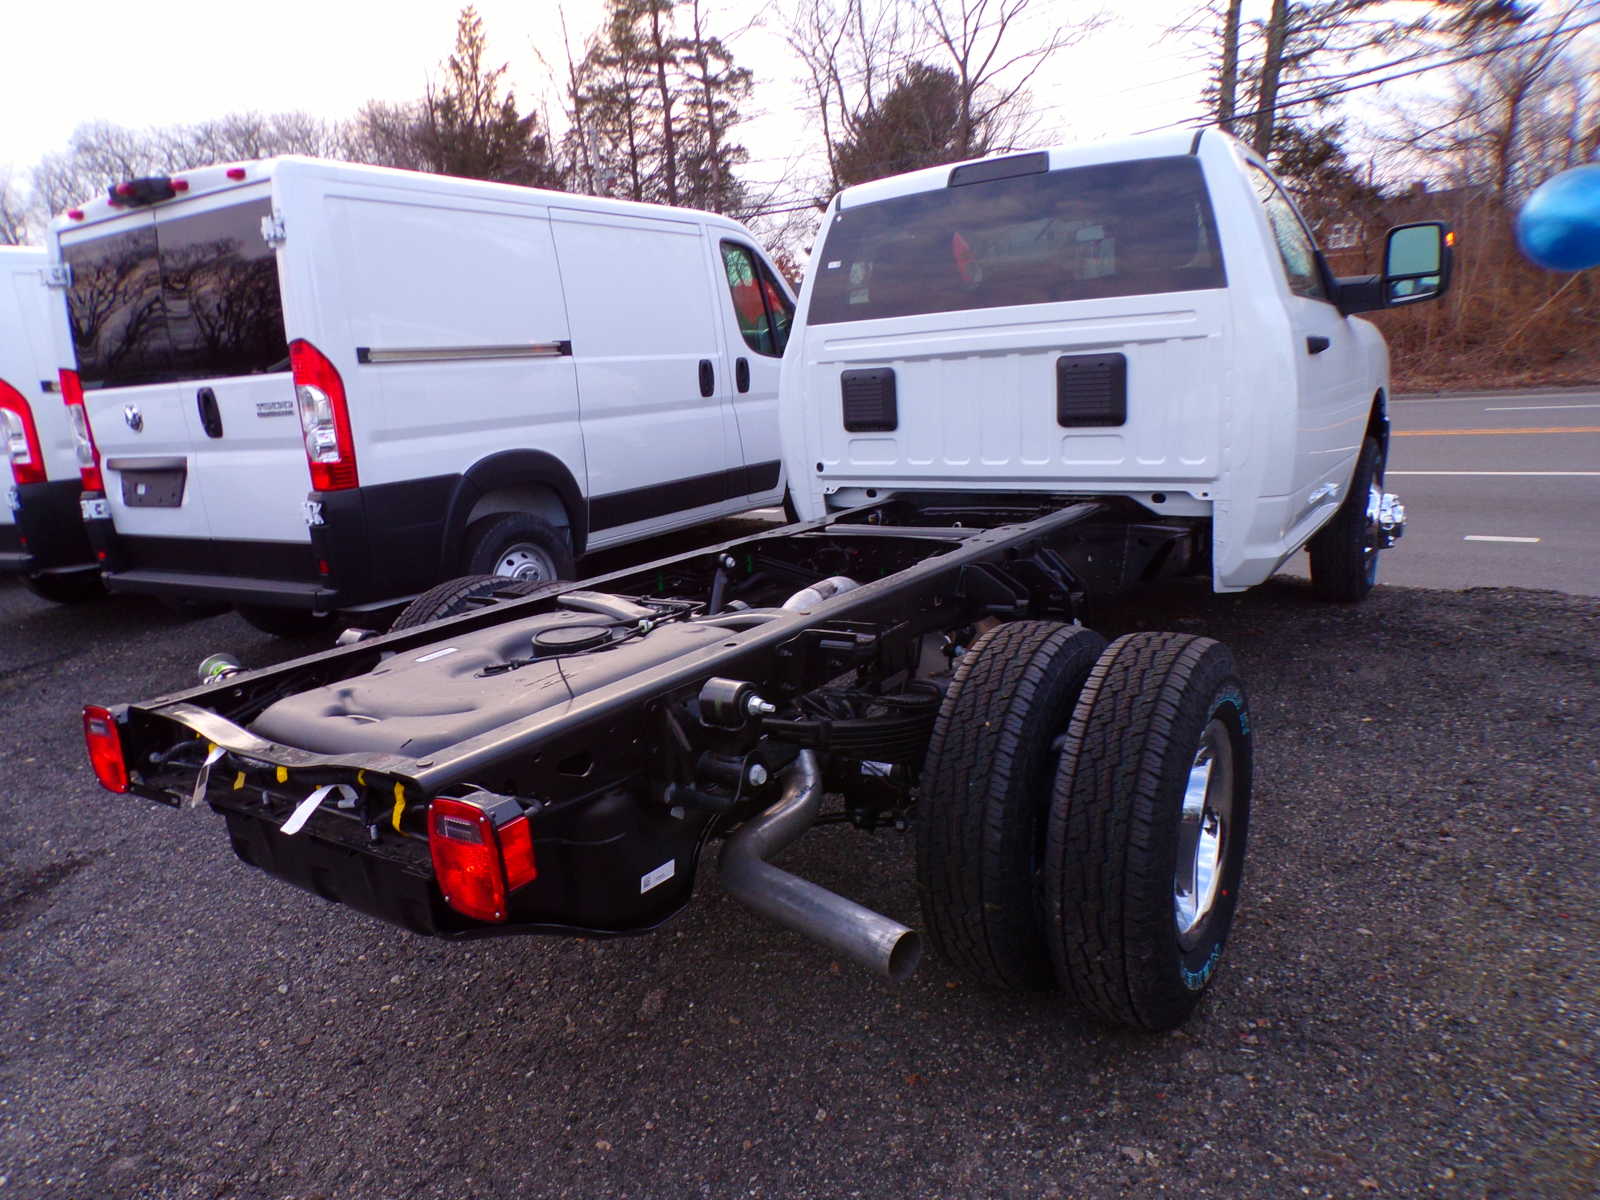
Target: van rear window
(189, 297)
(1120, 229)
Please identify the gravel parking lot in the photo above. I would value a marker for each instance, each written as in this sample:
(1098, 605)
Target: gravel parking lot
(1410, 1004)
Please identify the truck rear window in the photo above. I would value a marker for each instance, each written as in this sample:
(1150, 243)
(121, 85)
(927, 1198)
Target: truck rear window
(1120, 229)
(189, 297)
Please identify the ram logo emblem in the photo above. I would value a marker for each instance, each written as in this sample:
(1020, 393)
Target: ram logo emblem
(134, 418)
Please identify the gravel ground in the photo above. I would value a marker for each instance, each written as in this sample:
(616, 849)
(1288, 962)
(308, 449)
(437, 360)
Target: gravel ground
(1410, 1004)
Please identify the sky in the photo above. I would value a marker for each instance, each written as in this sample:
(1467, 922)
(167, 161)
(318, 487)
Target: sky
(181, 61)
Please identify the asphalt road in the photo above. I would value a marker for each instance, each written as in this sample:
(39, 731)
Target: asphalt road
(1410, 1006)
(1500, 490)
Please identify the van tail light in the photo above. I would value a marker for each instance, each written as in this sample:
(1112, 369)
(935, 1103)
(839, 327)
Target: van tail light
(324, 418)
(19, 436)
(88, 452)
(104, 742)
(482, 851)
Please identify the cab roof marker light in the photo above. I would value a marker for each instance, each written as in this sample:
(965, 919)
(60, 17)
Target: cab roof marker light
(235, 173)
(104, 743)
(75, 214)
(180, 185)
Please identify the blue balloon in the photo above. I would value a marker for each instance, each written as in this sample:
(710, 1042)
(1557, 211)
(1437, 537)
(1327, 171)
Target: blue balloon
(1559, 226)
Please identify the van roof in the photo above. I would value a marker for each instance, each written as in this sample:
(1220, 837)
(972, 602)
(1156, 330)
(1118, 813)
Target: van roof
(220, 177)
(1082, 154)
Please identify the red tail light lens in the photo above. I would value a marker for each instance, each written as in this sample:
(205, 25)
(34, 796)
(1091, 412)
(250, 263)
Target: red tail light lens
(19, 436)
(324, 418)
(100, 735)
(480, 854)
(88, 452)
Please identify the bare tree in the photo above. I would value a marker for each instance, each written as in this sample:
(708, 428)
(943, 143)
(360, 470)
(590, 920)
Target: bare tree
(856, 53)
(13, 212)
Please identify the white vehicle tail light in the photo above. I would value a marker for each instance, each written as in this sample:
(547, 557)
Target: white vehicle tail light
(88, 452)
(19, 436)
(324, 418)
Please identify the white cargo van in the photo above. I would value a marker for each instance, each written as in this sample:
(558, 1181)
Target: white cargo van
(41, 535)
(317, 388)
(1147, 321)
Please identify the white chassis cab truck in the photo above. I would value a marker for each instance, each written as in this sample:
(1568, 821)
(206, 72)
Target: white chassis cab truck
(1033, 380)
(1148, 320)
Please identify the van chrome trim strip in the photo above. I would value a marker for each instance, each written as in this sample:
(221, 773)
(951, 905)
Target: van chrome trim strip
(375, 356)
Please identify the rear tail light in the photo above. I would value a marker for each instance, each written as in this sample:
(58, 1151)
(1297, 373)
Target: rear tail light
(88, 452)
(101, 736)
(19, 436)
(482, 852)
(324, 418)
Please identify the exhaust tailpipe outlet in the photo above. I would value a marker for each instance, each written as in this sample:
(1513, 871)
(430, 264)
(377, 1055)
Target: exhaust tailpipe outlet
(877, 942)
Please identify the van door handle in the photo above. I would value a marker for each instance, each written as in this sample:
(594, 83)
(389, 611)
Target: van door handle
(708, 377)
(210, 414)
(741, 374)
(1316, 344)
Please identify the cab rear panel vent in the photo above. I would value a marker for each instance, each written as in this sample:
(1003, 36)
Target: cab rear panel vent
(869, 401)
(1091, 390)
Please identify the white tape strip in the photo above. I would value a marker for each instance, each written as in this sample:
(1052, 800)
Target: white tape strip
(302, 811)
(204, 777)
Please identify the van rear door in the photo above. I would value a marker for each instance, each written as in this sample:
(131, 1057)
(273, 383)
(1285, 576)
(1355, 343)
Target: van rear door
(177, 323)
(117, 315)
(230, 366)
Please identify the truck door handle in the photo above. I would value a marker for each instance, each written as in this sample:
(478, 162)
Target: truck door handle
(210, 414)
(1316, 344)
(708, 377)
(741, 374)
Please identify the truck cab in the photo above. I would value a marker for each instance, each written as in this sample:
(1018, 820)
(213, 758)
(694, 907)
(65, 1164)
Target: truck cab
(1146, 319)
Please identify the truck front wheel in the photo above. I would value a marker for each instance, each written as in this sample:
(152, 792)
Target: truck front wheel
(518, 546)
(1344, 552)
(456, 596)
(1147, 829)
(985, 792)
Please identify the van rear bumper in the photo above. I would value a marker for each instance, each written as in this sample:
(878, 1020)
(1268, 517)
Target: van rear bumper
(277, 574)
(48, 536)
(335, 569)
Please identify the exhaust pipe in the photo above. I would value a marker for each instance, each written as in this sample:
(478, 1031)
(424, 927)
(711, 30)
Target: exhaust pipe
(871, 939)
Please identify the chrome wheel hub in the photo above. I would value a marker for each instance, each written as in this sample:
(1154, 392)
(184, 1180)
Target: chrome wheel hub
(1204, 832)
(1390, 518)
(524, 561)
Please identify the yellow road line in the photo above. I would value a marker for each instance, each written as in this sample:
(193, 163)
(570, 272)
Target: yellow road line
(1493, 432)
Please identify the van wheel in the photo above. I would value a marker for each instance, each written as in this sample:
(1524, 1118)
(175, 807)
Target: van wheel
(1147, 829)
(1344, 552)
(985, 794)
(456, 596)
(518, 546)
(66, 589)
(285, 622)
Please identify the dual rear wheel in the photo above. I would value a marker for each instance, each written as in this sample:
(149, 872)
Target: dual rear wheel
(1083, 816)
